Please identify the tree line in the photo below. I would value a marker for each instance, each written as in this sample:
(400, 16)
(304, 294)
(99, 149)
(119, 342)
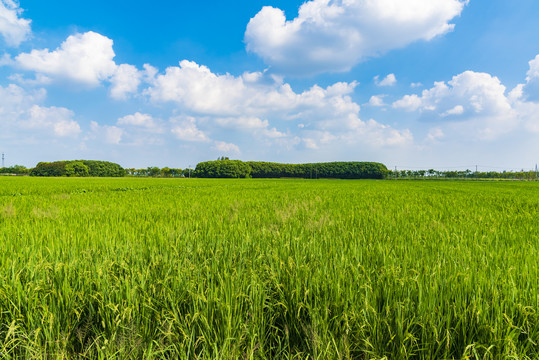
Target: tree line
(225, 168)
(462, 174)
(15, 170)
(154, 171)
(78, 168)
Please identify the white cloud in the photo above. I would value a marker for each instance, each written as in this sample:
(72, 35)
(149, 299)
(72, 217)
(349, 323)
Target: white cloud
(259, 104)
(19, 111)
(533, 72)
(13, 28)
(227, 147)
(310, 143)
(186, 129)
(525, 98)
(109, 134)
(125, 81)
(86, 58)
(435, 134)
(250, 124)
(196, 89)
(475, 103)
(389, 80)
(379, 135)
(274, 133)
(408, 102)
(138, 119)
(39, 79)
(113, 134)
(353, 29)
(528, 114)
(59, 120)
(530, 90)
(243, 123)
(15, 99)
(6, 60)
(457, 110)
(377, 100)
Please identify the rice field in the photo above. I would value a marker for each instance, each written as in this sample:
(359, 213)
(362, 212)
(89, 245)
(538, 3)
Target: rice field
(141, 268)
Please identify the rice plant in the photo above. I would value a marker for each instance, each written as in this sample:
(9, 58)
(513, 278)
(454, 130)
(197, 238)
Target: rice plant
(127, 268)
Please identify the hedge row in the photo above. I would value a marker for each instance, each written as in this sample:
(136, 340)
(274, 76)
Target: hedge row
(259, 169)
(78, 168)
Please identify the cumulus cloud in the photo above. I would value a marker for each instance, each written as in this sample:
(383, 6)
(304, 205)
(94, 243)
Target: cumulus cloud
(227, 147)
(137, 119)
(435, 134)
(525, 98)
(377, 100)
(530, 90)
(19, 111)
(185, 128)
(125, 81)
(14, 98)
(528, 114)
(6, 60)
(389, 80)
(13, 28)
(113, 134)
(261, 105)
(250, 124)
(474, 102)
(109, 134)
(58, 119)
(196, 89)
(87, 59)
(353, 29)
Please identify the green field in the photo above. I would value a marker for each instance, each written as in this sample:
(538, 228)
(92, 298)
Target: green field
(268, 269)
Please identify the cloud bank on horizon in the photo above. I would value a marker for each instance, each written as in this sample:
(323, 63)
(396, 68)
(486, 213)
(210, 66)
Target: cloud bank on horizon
(188, 113)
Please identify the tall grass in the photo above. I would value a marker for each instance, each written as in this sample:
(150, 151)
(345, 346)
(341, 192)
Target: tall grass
(267, 269)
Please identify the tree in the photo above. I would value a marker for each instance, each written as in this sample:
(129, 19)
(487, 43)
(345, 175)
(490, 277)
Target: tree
(166, 172)
(153, 171)
(77, 169)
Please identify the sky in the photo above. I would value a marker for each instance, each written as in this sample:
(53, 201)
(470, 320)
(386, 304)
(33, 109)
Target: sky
(414, 84)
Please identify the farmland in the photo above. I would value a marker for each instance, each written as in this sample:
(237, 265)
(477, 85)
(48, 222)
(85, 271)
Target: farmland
(265, 269)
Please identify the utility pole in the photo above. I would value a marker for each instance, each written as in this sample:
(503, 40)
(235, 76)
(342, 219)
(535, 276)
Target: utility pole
(3, 160)
(189, 171)
(536, 172)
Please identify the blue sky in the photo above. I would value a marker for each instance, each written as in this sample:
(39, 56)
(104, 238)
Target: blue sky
(411, 83)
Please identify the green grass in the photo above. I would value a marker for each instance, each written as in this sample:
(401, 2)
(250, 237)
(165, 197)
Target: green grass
(268, 269)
